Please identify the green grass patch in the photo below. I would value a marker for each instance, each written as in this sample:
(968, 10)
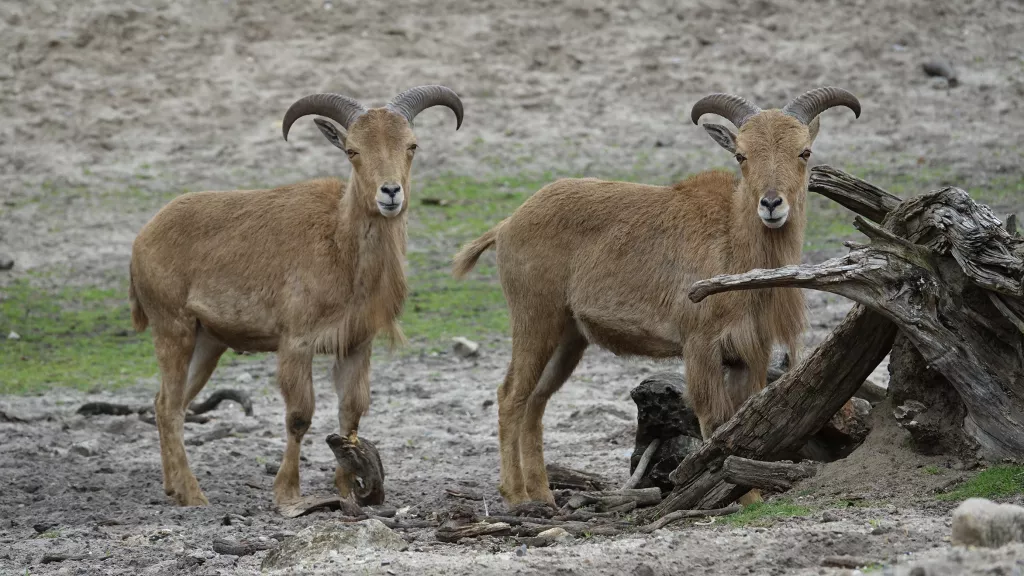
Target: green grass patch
(995, 482)
(765, 513)
(460, 209)
(72, 336)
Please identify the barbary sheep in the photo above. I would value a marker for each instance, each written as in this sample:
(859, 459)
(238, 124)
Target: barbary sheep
(311, 268)
(586, 261)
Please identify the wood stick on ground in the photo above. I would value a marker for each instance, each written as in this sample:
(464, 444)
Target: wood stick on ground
(682, 514)
(778, 476)
(219, 396)
(641, 466)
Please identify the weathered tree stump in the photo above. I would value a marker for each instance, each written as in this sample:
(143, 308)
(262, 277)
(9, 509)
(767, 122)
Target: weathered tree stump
(945, 274)
(362, 461)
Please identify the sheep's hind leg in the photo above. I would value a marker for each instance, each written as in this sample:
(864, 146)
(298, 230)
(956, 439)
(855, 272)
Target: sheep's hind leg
(205, 355)
(174, 349)
(531, 441)
(295, 376)
(351, 377)
(533, 344)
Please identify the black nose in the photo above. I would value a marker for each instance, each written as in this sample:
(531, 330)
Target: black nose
(391, 189)
(771, 203)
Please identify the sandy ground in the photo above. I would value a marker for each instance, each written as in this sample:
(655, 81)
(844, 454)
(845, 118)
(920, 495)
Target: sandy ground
(164, 96)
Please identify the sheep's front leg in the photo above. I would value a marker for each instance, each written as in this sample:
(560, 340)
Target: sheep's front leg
(705, 383)
(295, 376)
(352, 383)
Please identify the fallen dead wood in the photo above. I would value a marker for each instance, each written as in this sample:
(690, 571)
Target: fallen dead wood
(230, 547)
(781, 416)
(683, 514)
(309, 504)
(778, 476)
(218, 396)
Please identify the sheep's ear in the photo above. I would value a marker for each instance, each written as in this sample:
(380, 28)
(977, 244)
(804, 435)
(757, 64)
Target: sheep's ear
(330, 132)
(813, 128)
(722, 135)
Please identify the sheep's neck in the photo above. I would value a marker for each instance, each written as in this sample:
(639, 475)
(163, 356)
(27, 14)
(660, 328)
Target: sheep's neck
(757, 246)
(378, 277)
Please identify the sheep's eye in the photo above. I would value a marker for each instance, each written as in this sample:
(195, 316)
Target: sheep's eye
(413, 147)
(805, 154)
(740, 158)
(351, 153)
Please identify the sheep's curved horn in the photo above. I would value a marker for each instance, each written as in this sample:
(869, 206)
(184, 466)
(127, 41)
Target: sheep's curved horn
(341, 109)
(811, 103)
(733, 108)
(415, 100)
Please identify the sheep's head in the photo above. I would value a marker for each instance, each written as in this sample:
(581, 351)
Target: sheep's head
(772, 146)
(379, 142)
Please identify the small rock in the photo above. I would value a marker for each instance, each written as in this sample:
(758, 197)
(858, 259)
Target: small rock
(557, 534)
(244, 378)
(87, 448)
(521, 551)
(6, 262)
(829, 516)
(942, 70)
(13, 335)
(314, 544)
(271, 468)
(465, 347)
(981, 522)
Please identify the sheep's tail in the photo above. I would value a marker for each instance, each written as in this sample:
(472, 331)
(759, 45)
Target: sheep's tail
(139, 319)
(470, 253)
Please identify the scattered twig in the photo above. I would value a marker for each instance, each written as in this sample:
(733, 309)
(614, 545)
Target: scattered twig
(562, 477)
(605, 501)
(219, 396)
(244, 548)
(463, 493)
(849, 562)
(50, 558)
(681, 514)
(453, 534)
(106, 409)
(641, 466)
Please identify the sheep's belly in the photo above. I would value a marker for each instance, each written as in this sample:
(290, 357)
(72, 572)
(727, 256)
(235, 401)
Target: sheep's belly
(625, 339)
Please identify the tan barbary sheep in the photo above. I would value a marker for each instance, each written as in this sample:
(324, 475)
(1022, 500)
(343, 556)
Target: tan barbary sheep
(586, 261)
(311, 268)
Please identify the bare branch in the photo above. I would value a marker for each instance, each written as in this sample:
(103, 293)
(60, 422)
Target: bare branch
(859, 196)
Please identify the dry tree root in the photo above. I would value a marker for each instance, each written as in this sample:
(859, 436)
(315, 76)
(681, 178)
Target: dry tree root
(612, 499)
(194, 413)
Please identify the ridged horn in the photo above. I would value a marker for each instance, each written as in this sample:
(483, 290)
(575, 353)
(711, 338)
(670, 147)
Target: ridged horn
(341, 109)
(416, 100)
(733, 108)
(808, 105)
